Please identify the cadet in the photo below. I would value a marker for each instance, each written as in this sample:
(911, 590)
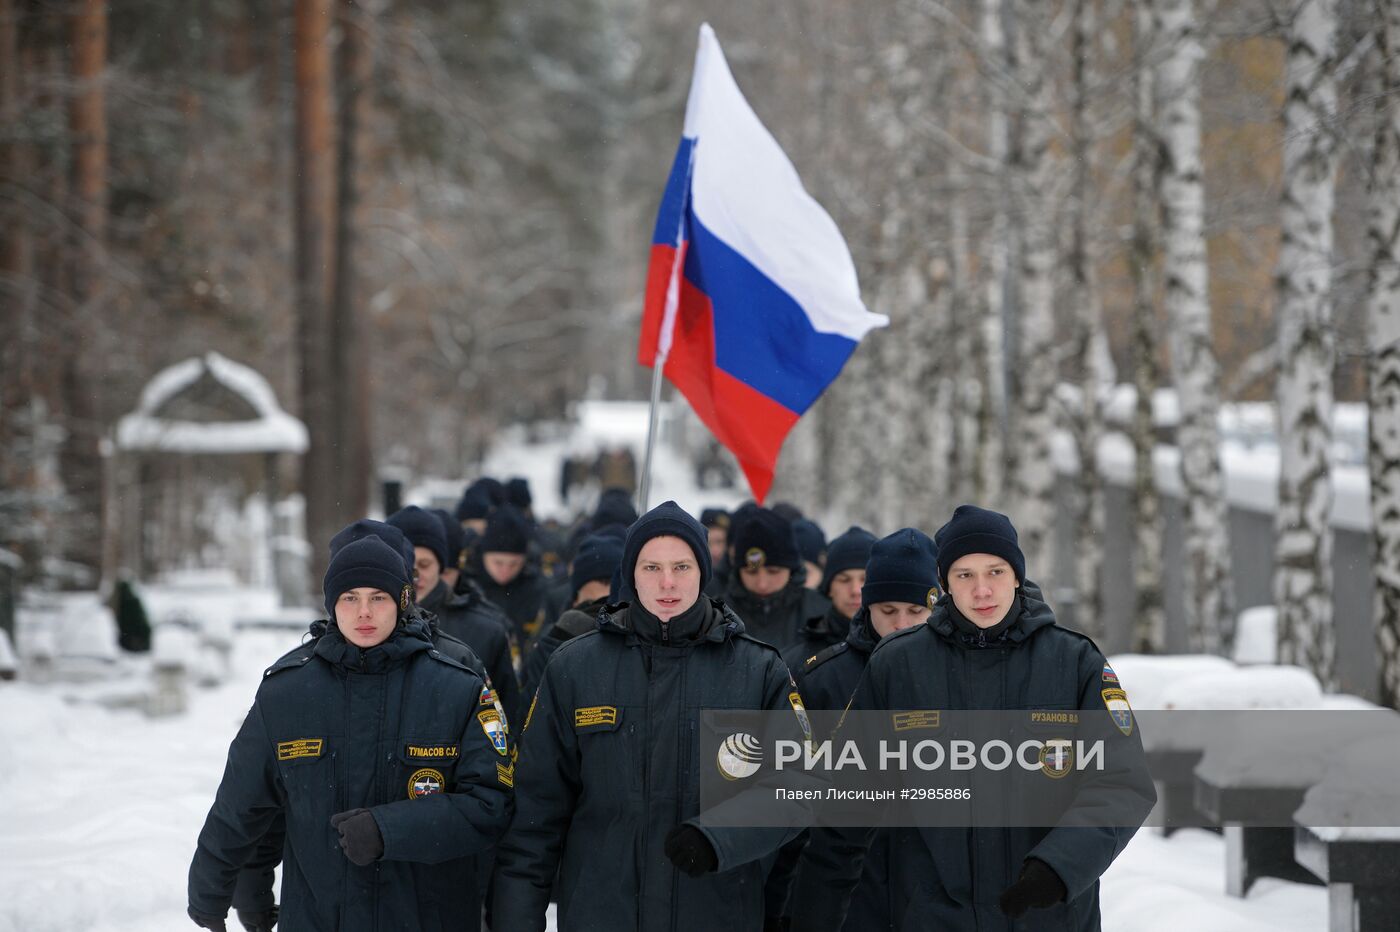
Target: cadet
(591, 573)
(505, 575)
(716, 524)
(898, 584)
(766, 588)
(608, 769)
(253, 898)
(990, 643)
(374, 840)
(471, 621)
(841, 582)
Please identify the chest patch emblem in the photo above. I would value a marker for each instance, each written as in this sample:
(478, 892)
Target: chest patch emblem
(425, 782)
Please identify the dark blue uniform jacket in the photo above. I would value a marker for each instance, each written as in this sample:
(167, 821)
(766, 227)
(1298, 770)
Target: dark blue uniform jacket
(778, 619)
(400, 729)
(608, 767)
(952, 878)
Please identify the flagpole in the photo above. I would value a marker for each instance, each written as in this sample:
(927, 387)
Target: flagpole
(644, 493)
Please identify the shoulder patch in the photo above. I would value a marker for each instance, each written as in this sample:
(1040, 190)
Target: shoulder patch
(1116, 701)
(444, 657)
(292, 660)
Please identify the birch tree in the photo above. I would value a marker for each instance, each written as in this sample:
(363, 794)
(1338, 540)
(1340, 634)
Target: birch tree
(1086, 422)
(1210, 603)
(1033, 477)
(1149, 617)
(1383, 325)
(988, 348)
(1302, 523)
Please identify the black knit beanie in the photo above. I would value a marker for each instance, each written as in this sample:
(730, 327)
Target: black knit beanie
(368, 527)
(850, 551)
(456, 536)
(765, 538)
(598, 557)
(423, 529)
(666, 519)
(902, 568)
(367, 563)
(811, 542)
(506, 532)
(978, 530)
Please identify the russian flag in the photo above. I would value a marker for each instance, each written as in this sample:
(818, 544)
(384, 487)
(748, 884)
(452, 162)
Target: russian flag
(752, 303)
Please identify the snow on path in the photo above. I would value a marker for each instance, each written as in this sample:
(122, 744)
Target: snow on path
(100, 809)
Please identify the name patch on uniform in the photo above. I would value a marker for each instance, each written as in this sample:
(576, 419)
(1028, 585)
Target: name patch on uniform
(301, 747)
(1116, 701)
(907, 721)
(1044, 716)
(505, 774)
(425, 782)
(495, 729)
(431, 751)
(595, 715)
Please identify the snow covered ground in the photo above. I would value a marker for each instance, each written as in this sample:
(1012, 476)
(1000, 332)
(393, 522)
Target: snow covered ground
(101, 805)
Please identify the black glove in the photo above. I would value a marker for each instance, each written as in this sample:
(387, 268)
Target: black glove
(258, 920)
(691, 851)
(359, 836)
(207, 920)
(1038, 887)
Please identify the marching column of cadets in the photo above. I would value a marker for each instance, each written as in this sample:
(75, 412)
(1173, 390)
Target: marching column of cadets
(382, 766)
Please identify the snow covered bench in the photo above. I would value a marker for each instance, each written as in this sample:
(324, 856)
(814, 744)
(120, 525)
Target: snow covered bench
(1254, 774)
(1347, 832)
(1175, 748)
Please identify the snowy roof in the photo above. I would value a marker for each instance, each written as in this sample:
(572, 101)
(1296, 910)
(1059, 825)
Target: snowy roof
(272, 431)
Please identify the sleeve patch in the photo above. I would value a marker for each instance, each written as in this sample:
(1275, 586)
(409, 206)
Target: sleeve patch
(495, 729)
(1116, 701)
(795, 700)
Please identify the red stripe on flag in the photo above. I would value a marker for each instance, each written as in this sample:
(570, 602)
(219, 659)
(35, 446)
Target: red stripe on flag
(750, 424)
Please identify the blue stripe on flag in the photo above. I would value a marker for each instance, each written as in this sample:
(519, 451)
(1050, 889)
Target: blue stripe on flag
(762, 336)
(668, 215)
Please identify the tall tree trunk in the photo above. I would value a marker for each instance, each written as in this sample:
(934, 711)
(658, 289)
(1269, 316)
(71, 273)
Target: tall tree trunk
(1302, 523)
(87, 124)
(1033, 478)
(16, 243)
(313, 192)
(1210, 600)
(350, 372)
(1089, 337)
(989, 348)
(1383, 320)
(1149, 616)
